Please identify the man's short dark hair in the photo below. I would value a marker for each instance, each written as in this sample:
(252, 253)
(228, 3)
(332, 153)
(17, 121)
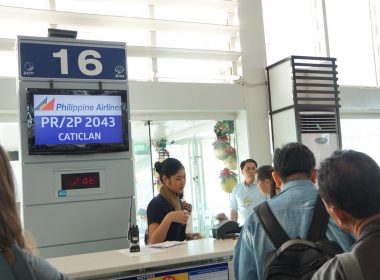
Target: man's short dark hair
(293, 158)
(244, 162)
(350, 180)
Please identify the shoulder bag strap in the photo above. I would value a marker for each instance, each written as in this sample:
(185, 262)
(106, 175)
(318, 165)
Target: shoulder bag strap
(21, 269)
(5, 268)
(351, 267)
(319, 222)
(270, 224)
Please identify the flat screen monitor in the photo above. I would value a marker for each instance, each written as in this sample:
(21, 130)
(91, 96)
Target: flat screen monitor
(73, 121)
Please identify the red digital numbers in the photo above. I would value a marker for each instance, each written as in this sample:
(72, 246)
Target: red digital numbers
(83, 181)
(80, 181)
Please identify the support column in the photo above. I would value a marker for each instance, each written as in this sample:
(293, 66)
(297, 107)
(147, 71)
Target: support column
(254, 83)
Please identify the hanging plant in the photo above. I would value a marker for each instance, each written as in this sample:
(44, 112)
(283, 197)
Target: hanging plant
(223, 128)
(231, 160)
(228, 180)
(224, 151)
(160, 147)
(220, 149)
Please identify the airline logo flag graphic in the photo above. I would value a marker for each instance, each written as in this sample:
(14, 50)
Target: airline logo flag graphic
(45, 105)
(77, 119)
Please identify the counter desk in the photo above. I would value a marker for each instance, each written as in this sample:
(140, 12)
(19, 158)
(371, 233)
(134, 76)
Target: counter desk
(196, 259)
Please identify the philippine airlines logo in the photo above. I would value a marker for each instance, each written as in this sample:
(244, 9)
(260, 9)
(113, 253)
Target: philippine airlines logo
(45, 105)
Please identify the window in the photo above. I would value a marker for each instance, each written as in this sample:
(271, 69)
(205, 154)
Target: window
(355, 132)
(200, 35)
(36, 4)
(193, 70)
(289, 29)
(192, 14)
(8, 59)
(118, 8)
(348, 32)
(350, 40)
(190, 40)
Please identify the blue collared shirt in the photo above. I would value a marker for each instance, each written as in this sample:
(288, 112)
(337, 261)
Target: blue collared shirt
(293, 208)
(244, 198)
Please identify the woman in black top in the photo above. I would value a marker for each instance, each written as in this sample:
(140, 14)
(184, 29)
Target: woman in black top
(166, 215)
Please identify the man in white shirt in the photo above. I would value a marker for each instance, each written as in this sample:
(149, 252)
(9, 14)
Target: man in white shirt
(245, 196)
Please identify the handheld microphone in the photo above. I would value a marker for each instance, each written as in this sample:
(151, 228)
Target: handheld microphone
(133, 233)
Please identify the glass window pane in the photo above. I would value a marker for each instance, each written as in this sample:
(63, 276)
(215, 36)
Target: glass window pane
(132, 37)
(117, 8)
(350, 38)
(289, 29)
(17, 26)
(9, 64)
(9, 136)
(187, 13)
(193, 70)
(362, 135)
(139, 68)
(143, 173)
(188, 40)
(36, 4)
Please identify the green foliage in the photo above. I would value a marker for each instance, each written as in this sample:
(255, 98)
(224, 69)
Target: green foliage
(223, 128)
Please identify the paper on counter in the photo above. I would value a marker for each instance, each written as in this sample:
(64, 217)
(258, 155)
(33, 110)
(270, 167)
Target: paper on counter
(167, 244)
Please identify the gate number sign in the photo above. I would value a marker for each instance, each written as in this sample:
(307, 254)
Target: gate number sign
(42, 60)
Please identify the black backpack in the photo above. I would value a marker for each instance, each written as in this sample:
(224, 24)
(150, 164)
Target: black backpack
(296, 258)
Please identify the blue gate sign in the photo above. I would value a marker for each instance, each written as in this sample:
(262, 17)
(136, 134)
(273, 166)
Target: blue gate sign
(42, 60)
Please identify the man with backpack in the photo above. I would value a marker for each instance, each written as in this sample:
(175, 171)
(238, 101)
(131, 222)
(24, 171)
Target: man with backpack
(349, 184)
(293, 207)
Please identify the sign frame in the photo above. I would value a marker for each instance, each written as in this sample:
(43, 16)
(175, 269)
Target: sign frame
(81, 57)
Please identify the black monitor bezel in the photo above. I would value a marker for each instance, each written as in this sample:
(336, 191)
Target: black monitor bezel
(65, 149)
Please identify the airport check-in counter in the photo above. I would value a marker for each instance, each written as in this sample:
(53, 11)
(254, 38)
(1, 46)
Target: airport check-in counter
(76, 157)
(195, 259)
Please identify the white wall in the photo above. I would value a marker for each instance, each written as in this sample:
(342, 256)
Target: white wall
(185, 97)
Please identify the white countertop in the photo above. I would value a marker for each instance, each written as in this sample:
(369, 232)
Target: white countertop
(92, 264)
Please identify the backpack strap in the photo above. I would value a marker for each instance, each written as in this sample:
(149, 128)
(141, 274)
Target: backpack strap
(351, 266)
(271, 225)
(319, 222)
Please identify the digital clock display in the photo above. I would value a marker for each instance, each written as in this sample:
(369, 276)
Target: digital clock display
(80, 181)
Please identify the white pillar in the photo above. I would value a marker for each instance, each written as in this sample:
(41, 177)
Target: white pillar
(254, 82)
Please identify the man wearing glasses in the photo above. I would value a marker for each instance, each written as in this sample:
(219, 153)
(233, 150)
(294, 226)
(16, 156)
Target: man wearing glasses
(245, 196)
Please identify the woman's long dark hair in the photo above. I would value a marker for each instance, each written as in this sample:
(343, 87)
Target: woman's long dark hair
(265, 172)
(10, 225)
